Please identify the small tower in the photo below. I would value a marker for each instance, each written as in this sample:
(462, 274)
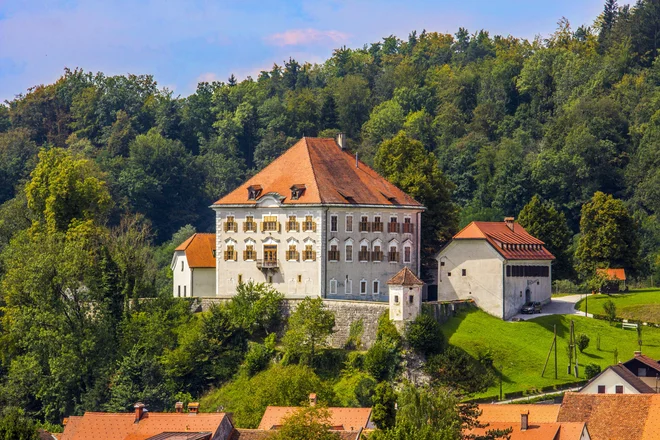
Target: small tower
(405, 291)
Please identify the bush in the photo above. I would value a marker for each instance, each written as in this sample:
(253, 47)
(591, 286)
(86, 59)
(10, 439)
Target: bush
(381, 361)
(455, 368)
(610, 310)
(355, 389)
(582, 342)
(424, 335)
(592, 370)
(259, 355)
(355, 335)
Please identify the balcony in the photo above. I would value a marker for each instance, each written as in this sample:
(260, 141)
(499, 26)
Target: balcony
(268, 265)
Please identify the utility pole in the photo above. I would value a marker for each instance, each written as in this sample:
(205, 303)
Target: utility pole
(555, 343)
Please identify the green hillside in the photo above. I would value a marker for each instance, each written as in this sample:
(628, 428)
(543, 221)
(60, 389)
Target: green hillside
(643, 305)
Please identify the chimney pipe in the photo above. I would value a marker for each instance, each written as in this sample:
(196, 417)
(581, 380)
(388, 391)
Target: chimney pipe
(638, 353)
(524, 420)
(509, 222)
(312, 399)
(340, 141)
(139, 411)
(178, 407)
(193, 407)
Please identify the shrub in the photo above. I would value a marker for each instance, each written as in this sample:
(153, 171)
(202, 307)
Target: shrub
(259, 355)
(610, 310)
(592, 370)
(455, 368)
(381, 361)
(355, 333)
(424, 335)
(355, 389)
(582, 342)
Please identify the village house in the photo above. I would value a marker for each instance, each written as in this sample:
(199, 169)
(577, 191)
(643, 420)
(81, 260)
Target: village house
(613, 277)
(639, 375)
(316, 222)
(498, 265)
(193, 267)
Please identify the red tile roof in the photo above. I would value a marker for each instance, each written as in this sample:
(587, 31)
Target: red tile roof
(511, 413)
(122, 426)
(629, 377)
(199, 250)
(329, 175)
(405, 277)
(542, 422)
(512, 244)
(613, 274)
(344, 419)
(649, 362)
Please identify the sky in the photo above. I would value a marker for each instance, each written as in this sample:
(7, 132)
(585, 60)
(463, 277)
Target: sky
(182, 42)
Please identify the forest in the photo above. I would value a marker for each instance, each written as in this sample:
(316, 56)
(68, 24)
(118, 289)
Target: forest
(101, 177)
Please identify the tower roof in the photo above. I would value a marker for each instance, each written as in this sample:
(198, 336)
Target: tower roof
(405, 277)
(325, 174)
(199, 250)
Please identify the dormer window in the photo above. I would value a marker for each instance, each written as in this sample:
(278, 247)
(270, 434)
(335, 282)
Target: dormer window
(297, 191)
(254, 191)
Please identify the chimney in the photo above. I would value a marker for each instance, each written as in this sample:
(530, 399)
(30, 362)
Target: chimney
(312, 399)
(638, 353)
(341, 141)
(193, 407)
(509, 222)
(139, 411)
(178, 407)
(524, 420)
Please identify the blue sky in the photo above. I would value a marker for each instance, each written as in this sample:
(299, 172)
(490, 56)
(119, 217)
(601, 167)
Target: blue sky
(182, 42)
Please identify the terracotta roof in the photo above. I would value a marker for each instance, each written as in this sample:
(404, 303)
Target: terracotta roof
(614, 416)
(343, 419)
(649, 362)
(516, 244)
(179, 436)
(540, 431)
(493, 413)
(199, 250)
(328, 174)
(613, 274)
(572, 430)
(250, 434)
(405, 277)
(121, 426)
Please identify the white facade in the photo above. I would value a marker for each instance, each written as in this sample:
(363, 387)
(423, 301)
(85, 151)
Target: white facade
(191, 282)
(405, 302)
(610, 380)
(334, 267)
(473, 269)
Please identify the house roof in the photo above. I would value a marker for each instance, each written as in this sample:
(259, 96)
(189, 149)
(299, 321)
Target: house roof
(341, 419)
(614, 416)
(250, 434)
(493, 413)
(405, 277)
(542, 422)
(613, 274)
(199, 249)
(328, 174)
(627, 375)
(122, 426)
(649, 362)
(512, 243)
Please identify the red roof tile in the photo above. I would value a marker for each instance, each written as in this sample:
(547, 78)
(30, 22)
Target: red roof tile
(199, 249)
(346, 419)
(405, 277)
(491, 413)
(329, 175)
(512, 244)
(613, 274)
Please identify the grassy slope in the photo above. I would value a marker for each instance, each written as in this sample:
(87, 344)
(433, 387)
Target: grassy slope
(638, 304)
(523, 346)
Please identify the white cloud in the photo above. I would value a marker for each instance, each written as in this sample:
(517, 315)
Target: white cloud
(299, 37)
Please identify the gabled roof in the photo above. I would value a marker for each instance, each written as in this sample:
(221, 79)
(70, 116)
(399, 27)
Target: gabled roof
(405, 277)
(491, 413)
(613, 274)
(329, 175)
(122, 426)
(651, 363)
(341, 419)
(199, 249)
(513, 243)
(628, 376)
(542, 422)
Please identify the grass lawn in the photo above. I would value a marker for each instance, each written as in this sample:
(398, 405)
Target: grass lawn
(522, 347)
(643, 304)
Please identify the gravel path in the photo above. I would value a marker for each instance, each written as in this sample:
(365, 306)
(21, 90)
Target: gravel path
(563, 305)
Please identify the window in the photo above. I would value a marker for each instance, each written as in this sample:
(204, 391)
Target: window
(333, 223)
(309, 224)
(240, 278)
(349, 253)
(442, 263)
(348, 286)
(254, 191)
(309, 254)
(249, 254)
(377, 254)
(376, 287)
(297, 191)
(463, 272)
(393, 225)
(292, 254)
(393, 255)
(377, 225)
(449, 274)
(292, 224)
(408, 226)
(182, 266)
(300, 278)
(396, 299)
(363, 255)
(270, 279)
(619, 389)
(249, 225)
(364, 224)
(333, 287)
(333, 253)
(411, 299)
(528, 271)
(349, 223)
(230, 224)
(363, 287)
(270, 224)
(641, 372)
(230, 253)
(184, 291)
(601, 389)
(407, 254)
(179, 292)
